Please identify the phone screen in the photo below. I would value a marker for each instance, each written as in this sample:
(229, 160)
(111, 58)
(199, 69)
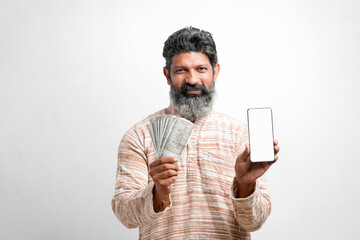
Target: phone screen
(261, 134)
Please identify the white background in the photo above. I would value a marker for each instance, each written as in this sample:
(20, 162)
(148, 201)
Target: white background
(75, 75)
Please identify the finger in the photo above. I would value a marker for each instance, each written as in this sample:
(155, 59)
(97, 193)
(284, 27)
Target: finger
(164, 167)
(164, 175)
(164, 183)
(276, 142)
(272, 162)
(276, 149)
(163, 160)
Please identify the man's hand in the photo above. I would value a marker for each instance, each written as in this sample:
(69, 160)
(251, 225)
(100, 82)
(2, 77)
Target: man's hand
(247, 172)
(163, 171)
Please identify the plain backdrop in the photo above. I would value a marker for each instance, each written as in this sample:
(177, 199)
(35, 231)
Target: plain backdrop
(75, 75)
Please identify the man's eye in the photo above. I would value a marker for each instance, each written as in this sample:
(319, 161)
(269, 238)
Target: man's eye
(202, 69)
(179, 70)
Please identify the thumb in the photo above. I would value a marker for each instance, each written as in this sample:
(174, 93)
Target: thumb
(245, 154)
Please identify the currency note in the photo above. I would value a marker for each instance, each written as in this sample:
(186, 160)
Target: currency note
(170, 134)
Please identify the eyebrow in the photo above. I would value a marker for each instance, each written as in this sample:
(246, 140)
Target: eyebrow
(200, 65)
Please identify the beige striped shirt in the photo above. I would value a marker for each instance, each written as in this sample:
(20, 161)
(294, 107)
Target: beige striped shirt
(202, 203)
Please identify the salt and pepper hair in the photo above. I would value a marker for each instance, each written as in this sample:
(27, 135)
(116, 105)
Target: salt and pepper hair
(190, 39)
(192, 108)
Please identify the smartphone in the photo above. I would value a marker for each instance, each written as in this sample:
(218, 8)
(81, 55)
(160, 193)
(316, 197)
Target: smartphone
(261, 134)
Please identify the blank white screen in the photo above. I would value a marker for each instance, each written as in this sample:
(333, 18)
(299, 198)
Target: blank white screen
(261, 134)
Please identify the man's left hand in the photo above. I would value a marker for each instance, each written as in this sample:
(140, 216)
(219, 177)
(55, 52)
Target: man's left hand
(247, 172)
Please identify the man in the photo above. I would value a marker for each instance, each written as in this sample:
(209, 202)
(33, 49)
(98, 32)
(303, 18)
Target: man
(212, 191)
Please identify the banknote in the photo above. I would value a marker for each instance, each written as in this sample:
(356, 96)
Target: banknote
(170, 135)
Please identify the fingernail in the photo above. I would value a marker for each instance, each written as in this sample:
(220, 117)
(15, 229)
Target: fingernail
(175, 159)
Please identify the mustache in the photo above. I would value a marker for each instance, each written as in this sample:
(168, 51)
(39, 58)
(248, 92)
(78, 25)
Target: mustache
(186, 86)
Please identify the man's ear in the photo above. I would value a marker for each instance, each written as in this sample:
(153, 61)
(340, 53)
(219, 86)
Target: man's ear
(167, 75)
(216, 71)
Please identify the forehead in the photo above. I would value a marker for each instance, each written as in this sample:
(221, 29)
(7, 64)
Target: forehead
(188, 59)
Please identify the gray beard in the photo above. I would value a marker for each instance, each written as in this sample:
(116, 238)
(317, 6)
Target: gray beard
(190, 107)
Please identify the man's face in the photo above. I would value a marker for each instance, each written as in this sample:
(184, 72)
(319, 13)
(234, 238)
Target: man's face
(192, 81)
(193, 68)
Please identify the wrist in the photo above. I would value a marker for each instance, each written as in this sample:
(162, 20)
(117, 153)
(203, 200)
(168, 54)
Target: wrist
(244, 189)
(160, 201)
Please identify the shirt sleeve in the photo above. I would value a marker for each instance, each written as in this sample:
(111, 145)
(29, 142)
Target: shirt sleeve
(251, 212)
(132, 202)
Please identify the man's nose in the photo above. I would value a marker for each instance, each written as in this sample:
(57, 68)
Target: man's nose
(192, 78)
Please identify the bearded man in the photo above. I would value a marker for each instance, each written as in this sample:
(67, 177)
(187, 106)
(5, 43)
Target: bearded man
(212, 191)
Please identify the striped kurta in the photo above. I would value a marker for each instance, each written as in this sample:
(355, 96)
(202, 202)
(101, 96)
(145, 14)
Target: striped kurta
(202, 203)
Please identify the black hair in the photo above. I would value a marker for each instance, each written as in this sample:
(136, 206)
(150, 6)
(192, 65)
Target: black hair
(190, 39)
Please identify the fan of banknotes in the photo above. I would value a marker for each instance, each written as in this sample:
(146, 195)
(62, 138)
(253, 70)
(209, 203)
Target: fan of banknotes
(170, 134)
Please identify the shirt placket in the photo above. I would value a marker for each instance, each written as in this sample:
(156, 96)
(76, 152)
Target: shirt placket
(190, 166)
(193, 151)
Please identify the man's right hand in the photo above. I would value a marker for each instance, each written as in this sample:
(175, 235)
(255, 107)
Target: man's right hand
(163, 171)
